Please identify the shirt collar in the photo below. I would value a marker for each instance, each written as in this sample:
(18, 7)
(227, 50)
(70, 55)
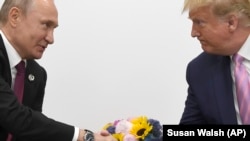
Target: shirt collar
(14, 57)
(245, 49)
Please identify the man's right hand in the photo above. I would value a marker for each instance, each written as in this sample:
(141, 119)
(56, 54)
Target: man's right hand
(101, 136)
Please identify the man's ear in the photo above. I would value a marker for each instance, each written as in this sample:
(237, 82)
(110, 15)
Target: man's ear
(233, 22)
(14, 16)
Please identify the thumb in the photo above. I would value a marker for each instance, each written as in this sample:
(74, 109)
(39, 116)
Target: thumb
(104, 133)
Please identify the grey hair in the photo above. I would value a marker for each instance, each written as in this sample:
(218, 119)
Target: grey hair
(24, 5)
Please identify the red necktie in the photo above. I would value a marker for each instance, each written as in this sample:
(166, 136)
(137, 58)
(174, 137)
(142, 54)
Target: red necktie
(19, 85)
(19, 81)
(242, 88)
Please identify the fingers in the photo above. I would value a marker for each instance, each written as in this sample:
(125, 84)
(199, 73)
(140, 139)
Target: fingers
(104, 133)
(103, 136)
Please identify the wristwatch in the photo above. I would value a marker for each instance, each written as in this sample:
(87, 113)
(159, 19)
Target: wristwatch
(88, 136)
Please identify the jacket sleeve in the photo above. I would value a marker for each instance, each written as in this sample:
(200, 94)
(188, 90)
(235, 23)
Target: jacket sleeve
(27, 124)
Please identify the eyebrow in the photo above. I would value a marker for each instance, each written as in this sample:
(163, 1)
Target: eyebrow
(52, 23)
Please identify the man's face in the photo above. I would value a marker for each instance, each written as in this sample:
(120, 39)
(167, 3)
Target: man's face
(211, 31)
(34, 31)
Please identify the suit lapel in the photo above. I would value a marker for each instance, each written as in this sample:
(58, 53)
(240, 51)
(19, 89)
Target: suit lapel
(35, 81)
(30, 82)
(224, 91)
(4, 63)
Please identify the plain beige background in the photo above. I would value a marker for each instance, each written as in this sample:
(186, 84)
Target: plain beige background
(114, 59)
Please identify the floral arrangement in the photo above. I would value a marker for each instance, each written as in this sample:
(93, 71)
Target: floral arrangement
(135, 129)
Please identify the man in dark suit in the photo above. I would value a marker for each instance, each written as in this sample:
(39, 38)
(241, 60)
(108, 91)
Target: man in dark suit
(222, 27)
(26, 29)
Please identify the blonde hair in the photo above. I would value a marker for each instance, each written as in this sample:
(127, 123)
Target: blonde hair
(222, 8)
(24, 5)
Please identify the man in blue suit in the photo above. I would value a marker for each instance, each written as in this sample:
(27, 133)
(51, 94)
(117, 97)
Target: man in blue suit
(222, 27)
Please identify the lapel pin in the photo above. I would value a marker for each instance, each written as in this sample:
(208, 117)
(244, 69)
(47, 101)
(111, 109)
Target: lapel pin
(31, 77)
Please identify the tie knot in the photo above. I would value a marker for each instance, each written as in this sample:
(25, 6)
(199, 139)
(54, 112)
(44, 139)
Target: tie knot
(20, 67)
(237, 58)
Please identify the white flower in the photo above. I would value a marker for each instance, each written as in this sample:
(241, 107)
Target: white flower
(123, 126)
(129, 137)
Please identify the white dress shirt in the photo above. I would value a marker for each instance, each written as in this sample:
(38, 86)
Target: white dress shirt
(244, 52)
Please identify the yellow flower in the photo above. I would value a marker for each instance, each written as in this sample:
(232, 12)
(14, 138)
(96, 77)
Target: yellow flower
(139, 120)
(141, 127)
(107, 125)
(118, 136)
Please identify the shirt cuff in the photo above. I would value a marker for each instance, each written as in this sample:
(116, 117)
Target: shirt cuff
(76, 134)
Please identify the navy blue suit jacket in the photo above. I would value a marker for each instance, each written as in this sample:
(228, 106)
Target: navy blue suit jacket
(26, 122)
(210, 91)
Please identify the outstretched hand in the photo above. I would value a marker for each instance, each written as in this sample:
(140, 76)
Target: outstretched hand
(104, 133)
(104, 136)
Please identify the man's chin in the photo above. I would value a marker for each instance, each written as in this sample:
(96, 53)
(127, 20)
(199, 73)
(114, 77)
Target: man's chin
(204, 47)
(38, 56)
(207, 49)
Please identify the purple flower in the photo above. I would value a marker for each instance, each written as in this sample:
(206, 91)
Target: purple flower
(111, 129)
(157, 127)
(153, 138)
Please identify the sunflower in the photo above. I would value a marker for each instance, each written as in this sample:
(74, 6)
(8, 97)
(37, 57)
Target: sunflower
(118, 137)
(139, 120)
(141, 127)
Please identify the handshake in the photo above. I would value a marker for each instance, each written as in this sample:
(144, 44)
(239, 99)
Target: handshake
(87, 135)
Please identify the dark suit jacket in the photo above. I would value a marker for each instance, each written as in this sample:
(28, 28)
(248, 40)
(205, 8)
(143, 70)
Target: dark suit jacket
(26, 122)
(210, 92)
